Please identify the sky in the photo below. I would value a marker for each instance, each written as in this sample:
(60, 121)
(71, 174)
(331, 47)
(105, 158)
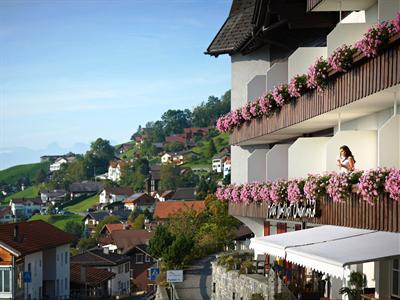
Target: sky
(75, 70)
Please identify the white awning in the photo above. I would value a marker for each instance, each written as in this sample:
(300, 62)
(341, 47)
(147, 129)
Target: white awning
(329, 249)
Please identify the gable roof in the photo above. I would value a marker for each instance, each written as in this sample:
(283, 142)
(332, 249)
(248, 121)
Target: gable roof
(184, 194)
(37, 201)
(111, 227)
(97, 215)
(236, 30)
(97, 257)
(114, 190)
(127, 239)
(30, 237)
(140, 199)
(5, 210)
(85, 187)
(164, 210)
(93, 276)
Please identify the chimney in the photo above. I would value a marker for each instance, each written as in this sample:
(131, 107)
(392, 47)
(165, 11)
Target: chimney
(83, 273)
(16, 233)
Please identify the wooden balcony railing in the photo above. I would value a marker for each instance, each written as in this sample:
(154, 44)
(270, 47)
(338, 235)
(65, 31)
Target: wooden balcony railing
(368, 76)
(384, 215)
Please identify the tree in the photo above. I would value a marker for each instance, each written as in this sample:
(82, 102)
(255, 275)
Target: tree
(40, 176)
(173, 147)
(87, 243)
(111, 219)
(169, 177)
(74, 228)
(175, 120)
(179, 252)
(139, 222)
(161, 240)
(211, 149)
(99, 155)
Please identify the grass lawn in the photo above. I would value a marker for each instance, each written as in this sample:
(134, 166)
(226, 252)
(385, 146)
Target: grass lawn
(58, 220)
(13, 174)
(30, 192)
(83, 205)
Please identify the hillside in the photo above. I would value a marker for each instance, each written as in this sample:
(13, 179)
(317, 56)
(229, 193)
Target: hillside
(83, 205)
(13, 174)
(30, 192)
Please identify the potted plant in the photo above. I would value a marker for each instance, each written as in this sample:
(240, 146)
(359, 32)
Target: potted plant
(247, 267)
(357, 282)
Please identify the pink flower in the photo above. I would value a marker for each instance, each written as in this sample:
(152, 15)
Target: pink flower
(297, 86)
(339, 187)
(295, 192)
(281, 95)
(392, 183)
(342, 58)
(317, 76)
(371, 184)
(278, 191)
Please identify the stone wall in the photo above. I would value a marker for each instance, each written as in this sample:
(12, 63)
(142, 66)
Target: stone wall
(232, 285)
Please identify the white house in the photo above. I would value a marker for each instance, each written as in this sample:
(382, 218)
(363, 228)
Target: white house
(227, 167)
(114, 170)
(25, 207)
(56, 166)
(103, 258)
(140, 200)
(166, 158)
(34, 265)
(269, 43)
(218, 161)
(114, 194)
(6, 215)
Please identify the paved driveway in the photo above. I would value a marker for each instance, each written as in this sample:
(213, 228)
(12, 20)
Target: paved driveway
(197, 281)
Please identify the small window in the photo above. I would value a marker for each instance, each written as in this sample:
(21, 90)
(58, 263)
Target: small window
(127, 267)
(233, 296)
(66, 257)
(139, 258)
(147, 258)
(214, 287)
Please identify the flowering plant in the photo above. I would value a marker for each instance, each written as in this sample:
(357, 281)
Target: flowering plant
(315, 186)
(267, 104)
(396, 23)
(281, 95)
(317, 76)
(372, 183)
(295, 190)
(392, 184)
(254, 109)
(339, 186)
(297, 86)
(278, 191)
(342, 58)
(376, 38)
(245, 112)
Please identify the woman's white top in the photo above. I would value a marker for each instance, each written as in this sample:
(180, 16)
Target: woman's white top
(345, 161)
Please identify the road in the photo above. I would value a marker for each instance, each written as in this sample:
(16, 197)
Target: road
(197, 281)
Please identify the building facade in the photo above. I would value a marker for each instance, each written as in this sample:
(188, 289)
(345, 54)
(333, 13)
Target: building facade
(270, 43)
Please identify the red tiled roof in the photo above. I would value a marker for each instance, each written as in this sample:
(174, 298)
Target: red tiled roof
(165, 209)
(119, 190)
(33, 236)
(140, 199)
(195, 130)
(93, 276)
(111, 227)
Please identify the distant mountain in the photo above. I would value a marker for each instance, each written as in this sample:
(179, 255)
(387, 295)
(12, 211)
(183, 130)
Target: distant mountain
(11, 156)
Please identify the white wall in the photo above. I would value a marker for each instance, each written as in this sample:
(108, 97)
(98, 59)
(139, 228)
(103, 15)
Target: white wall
(303, 58)
(307, 155)
(387, 9)
(277, 162)
(36, 262)
(345, 33)
(243, 69)
(239, 167)
(256, 87)
(123, 277)
(362, 143)
(277, 74)
(389, 143)
(255, 225)
(63, 269)
(257, 165)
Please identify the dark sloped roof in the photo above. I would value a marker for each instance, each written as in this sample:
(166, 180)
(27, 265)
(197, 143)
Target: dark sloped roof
(97, 215)
(36, 200)
(33, 236)
(93, 276)
(119, 190)
(128, 239)
(184, 194)
(85, 187)
(140, 199)
(97, 257)
(236, 30)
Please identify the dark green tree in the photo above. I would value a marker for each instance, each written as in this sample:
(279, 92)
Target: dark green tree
(211, 149)
(74, 228)
(99, 156)
(138, 223)
(179, 252)
(160, 242)
(175, 120)
(169, 177)
(40, 176)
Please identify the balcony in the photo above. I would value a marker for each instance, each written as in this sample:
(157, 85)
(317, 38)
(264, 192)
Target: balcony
(373, 81)
(334, 5)
(345, 33)
(383, 216)
(302, 58)
(277, 75)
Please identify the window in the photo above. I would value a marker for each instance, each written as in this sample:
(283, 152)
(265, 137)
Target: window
(65, 283)
(29, 267)
(214, 287)
(139, 258)
(66, 257)
(147, 258)
(396, 279)
(120, 268)
(57, 287)
(5, 280)
(127, 267)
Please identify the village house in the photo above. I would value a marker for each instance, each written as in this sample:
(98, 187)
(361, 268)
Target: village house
(311, 246)
(92, 219)
(195, 132)
(56, 165)
(89, 283)
(133, 243)
(6, 215)
(218, 161)
(153, 180)
(53, 196)
(114, 194)
(179, 138)
(109, 228)
(124, 148)
(227, 167)
(185, 194)
(102, 258)
(34, 261)
(24, 208)
(140, 201)
(78, 189)
(115, 170)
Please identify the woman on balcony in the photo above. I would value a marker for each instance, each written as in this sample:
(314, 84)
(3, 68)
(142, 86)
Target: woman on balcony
(346, 160)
